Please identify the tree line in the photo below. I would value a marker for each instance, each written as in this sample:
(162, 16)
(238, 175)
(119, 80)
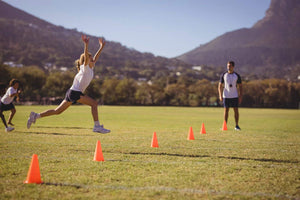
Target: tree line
(43, 87)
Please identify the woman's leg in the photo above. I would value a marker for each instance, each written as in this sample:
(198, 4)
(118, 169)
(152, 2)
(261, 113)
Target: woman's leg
(61, 108)
(91, 102)
(94, 108)
(3, 118)
(12, 113)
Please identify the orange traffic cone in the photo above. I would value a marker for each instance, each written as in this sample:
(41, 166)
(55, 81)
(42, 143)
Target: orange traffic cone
(98, 156)
(203, 131)
(154, 140)
(34, 175)
(191, 134)
(224, 128)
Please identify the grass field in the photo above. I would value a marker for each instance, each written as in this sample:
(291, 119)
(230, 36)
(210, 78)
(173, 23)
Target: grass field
(260, 162)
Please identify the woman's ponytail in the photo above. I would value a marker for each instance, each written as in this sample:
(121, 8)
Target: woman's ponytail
(79, 62)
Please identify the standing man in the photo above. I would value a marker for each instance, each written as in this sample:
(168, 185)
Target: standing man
(230, 81)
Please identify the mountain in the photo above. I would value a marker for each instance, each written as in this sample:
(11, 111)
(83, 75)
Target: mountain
(272, 44)
(29, 40)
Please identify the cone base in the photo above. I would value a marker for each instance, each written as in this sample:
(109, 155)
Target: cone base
(29, 182)
(98, 160)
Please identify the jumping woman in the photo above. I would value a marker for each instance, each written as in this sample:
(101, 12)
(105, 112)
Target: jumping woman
(85, 65)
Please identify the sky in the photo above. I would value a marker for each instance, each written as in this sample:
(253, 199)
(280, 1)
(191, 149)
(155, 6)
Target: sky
(167, 28)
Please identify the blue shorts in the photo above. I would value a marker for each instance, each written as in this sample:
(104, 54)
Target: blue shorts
(5, 107)
(231, 102)
(73, 96)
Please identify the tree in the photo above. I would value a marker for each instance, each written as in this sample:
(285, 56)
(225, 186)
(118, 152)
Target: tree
(125, 91)
(108, 91)
(177, 95)
(5, 75)
(57, 84)
(150, 94)
(202, 93)
(32, 81)
(142, 95)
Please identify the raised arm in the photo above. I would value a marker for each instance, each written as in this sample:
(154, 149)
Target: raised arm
(102, 44)
(86, 53)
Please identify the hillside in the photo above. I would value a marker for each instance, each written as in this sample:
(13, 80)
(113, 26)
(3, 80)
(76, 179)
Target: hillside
(271, 47)
(29, 40)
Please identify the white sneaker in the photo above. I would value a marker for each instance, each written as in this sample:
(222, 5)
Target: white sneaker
(100, 129)
(8, 129)
(31, 119)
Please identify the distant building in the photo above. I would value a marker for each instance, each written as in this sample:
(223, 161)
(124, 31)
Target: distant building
(64, 69)
(142, 79)
(198, 68)
(13, 64)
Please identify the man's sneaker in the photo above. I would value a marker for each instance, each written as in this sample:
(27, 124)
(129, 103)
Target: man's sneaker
(8, 129)
(100, 129)
(237, 128)
(31, 119)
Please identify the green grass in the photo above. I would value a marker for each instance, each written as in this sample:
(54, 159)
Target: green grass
(260, 162)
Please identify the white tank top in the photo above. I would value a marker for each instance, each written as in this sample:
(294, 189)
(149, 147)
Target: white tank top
(82, 78)
(6, 99)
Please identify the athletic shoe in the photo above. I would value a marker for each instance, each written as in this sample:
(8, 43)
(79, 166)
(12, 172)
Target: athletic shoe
(8, 129)
(31, 119)
(237, 128)
(100, 129)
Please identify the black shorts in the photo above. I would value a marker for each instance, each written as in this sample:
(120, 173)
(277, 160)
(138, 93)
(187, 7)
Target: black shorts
(5, 107)
(73, 96)
(231, 102)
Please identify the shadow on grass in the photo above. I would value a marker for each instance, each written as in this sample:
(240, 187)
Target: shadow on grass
(208, 156)
(60, 127)
(63, 184)
(44, 133)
